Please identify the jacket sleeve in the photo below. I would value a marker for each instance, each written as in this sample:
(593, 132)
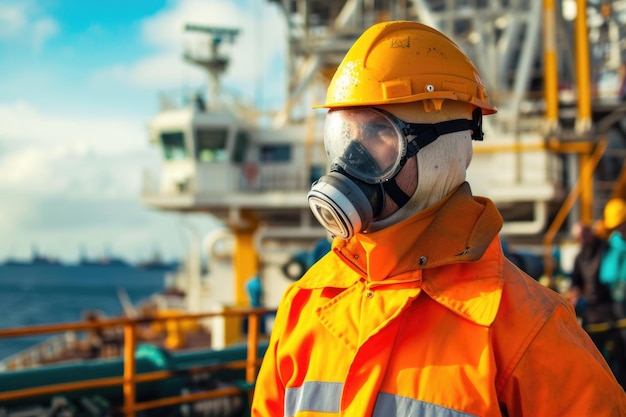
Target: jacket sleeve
(560, 372)
(269, 392)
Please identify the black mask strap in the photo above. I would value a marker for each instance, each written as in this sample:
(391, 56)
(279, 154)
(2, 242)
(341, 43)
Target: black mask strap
(397, 195)
(477, 127)
(426, 133)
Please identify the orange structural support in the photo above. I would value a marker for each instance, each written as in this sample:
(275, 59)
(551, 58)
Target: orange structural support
(245, 256)
(253, 341)
(619, 191)
(550, 79)
(130, 369)
(586, 188)
(583, 72)
(586, 172)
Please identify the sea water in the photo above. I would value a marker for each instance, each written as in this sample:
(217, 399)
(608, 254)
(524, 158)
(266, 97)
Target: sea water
(45, 294)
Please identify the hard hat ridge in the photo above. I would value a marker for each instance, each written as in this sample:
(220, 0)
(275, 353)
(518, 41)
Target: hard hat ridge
(402, 62)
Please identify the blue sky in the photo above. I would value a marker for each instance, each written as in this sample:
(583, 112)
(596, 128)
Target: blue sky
(79, 81)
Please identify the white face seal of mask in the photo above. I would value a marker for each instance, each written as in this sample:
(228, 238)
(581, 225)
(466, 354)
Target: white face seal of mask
(367, 148)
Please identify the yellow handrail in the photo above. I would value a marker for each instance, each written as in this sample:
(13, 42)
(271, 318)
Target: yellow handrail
(130, 369)
(130, 379)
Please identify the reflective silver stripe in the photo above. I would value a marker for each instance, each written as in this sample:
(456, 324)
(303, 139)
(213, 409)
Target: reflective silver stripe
(393, 405)
(324, 397)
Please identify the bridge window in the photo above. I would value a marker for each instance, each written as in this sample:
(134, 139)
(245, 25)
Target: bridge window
(211, 145)
(241, 145)
(275, 153)
(174, 146)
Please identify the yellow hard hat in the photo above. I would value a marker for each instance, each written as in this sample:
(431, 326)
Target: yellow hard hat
(614, 213)
(402, 62)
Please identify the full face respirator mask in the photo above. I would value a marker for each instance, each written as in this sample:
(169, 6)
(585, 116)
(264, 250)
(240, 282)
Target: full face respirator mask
(367, 148)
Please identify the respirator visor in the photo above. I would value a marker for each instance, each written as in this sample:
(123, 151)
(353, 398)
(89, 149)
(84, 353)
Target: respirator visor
(365, 142)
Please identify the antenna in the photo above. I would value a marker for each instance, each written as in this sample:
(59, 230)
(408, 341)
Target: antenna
(211, 60)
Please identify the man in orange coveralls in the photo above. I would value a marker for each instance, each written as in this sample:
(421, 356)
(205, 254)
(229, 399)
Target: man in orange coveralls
(416, 311)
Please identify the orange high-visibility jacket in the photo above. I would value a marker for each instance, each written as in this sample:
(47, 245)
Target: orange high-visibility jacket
(428, 318)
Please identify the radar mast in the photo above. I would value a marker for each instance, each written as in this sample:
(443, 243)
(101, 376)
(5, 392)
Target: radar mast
(210, 59)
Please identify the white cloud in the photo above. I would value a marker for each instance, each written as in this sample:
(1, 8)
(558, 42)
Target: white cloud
(42, 30)
(70, 171)
(262, 40)
(25, 125)
(166, 29)
(161, 71)
(13, 20)
(23, 22)
(65, 177)
(44, 153)
(61, 226)
(63, 195)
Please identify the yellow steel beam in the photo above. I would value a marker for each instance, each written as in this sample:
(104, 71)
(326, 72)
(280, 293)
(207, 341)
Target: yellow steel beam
(550, 145)
(619, 190)
(245, 256)
(583, 73)
(586, 187)
(566, 207)
(130, 369)
(550, 69)
(253, 342)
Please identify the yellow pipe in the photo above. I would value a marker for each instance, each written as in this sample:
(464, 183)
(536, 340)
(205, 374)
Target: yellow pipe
(606, 326)
(574, 147)
(188, 398)
(56, 328)
(583, 77)
(59, 388)
(550, 69)
(245, 256)
(554, 146)
(564, 210)
(509, 147)
(130, 388)
(619, 190)
(130, 376)
(107, 323)
(253, 341)
(586, 190)
(116, 381)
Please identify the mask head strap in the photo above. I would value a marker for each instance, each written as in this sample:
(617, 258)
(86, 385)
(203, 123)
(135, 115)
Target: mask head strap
(395, 192)
(426, 133)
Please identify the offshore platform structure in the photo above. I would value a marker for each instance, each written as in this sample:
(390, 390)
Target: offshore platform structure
(555, 71)
(551, 156)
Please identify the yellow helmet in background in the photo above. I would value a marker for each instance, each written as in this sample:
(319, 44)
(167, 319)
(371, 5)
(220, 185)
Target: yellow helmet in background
(402, 62)
(614, 213)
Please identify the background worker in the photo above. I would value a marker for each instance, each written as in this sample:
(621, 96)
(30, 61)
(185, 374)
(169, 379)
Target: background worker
(613, 265)
(416, 311)
(613, 275)
(592, 298)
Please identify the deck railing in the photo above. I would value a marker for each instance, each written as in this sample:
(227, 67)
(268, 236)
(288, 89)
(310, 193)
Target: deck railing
(130, 378)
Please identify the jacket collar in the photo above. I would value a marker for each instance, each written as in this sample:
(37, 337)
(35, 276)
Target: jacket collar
(436, 248)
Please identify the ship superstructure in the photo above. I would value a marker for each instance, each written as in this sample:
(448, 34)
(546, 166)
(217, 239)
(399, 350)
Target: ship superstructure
(552, 155)
(550, 158)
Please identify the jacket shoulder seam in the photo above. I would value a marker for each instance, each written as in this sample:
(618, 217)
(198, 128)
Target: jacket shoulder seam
(531, 334)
